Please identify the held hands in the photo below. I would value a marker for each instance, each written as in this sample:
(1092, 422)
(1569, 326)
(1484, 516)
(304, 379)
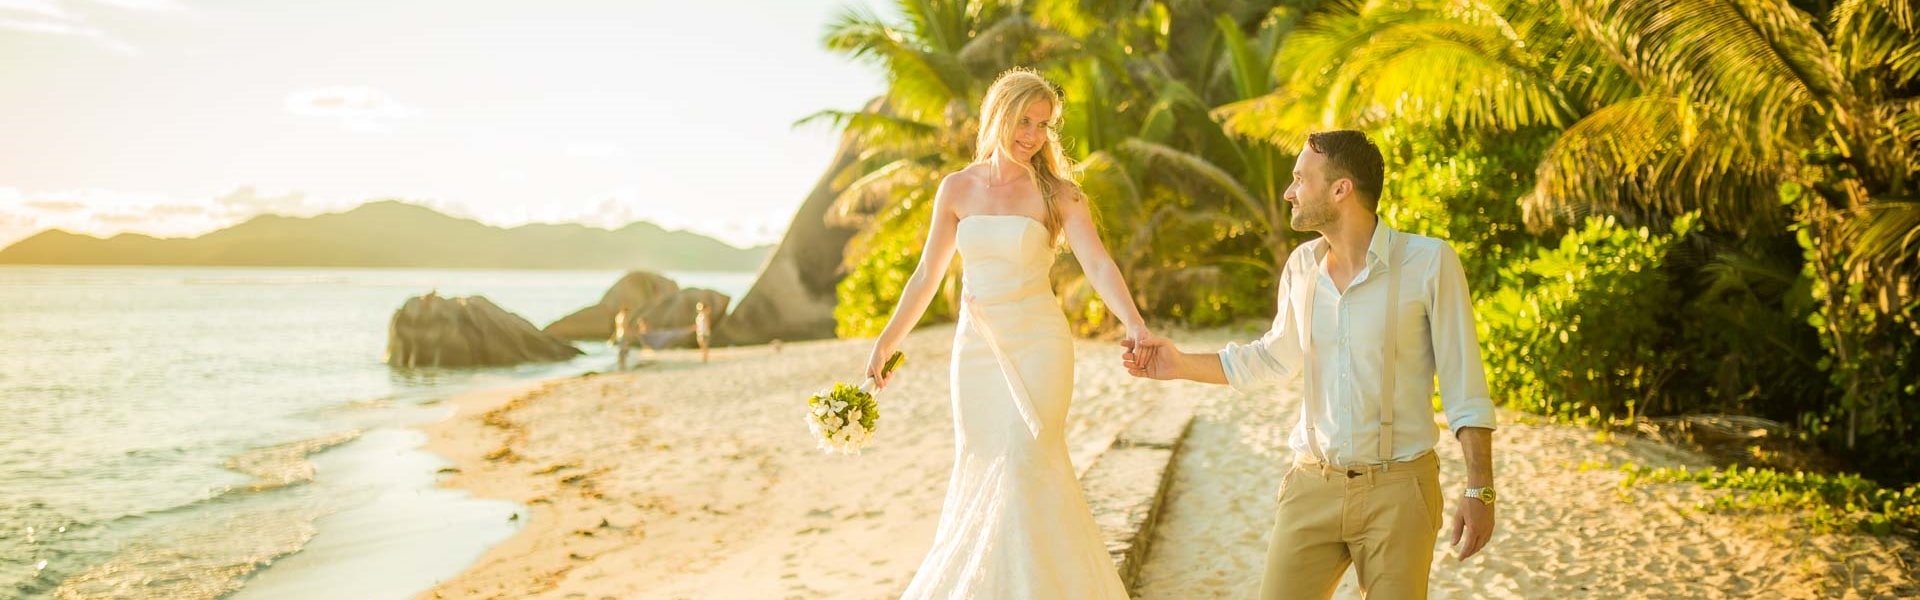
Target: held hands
(1137, 333)
(1148, 356)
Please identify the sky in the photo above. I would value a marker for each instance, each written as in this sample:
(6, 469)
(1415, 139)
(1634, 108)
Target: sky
(178, 117)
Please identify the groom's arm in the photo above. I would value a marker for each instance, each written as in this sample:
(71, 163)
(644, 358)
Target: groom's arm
(1473, 520)
(1476, 443)
(1463, 394)
(1276, 355)
(1170, 363)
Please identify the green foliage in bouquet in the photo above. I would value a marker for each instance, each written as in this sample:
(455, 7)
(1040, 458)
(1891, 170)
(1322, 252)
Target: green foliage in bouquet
(852, 398)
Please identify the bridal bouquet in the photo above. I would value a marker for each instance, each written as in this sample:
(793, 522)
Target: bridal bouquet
(843, 418)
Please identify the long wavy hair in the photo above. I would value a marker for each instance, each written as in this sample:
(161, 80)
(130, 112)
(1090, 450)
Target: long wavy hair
(1009, 96)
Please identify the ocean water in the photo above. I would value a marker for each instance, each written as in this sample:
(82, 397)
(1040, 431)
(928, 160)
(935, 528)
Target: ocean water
(193, 432)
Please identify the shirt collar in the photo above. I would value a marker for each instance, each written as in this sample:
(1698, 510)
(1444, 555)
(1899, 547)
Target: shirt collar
(1376, 248)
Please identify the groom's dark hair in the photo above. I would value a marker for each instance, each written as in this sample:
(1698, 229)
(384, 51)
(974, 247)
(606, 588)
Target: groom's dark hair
(1351, 155)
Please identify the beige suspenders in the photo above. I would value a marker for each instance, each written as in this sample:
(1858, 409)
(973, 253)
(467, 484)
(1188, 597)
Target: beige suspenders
(1394, 251)
(1311, 404)
(1396, 246)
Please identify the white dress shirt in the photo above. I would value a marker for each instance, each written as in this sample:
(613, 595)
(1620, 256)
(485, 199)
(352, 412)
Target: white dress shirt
(1436, 336)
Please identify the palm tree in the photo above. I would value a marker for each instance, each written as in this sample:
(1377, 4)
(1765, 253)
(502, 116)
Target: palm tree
(1195, 218)
(1664, 107)
(1667, 106)
(1130, 115)
(938, 57)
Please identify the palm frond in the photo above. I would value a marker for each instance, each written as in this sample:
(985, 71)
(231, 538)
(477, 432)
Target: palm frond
(873, 192)
(1755, 62)
(920, 82)
(1900, 13)
(1884, 255)
(1448, 73)
(1654, 155)
(1282, 118)
(1882, 60)
(875, 127)
(1192, 173)
(873, 158)
(1106, 181)
(1013, 40)
(1250, 64)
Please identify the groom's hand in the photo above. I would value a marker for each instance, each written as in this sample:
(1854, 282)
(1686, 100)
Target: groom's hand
(1472, 526)
(1152, 358)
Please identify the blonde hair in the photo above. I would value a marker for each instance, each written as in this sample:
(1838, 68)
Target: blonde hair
(1009, 96)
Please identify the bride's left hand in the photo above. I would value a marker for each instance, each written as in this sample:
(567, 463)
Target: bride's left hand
(877, 365)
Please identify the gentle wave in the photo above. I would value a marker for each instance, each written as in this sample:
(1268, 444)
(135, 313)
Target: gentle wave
(282, 280)
(198, 561)
(285, 464)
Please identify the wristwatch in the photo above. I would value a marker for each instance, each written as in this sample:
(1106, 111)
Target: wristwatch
(1483, 494)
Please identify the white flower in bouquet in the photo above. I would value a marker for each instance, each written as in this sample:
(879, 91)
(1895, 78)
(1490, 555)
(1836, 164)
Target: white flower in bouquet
(843, 418)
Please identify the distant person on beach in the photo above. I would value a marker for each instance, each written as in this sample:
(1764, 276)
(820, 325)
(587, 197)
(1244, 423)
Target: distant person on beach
(628, 329)
(702, 329)
(1368, 316)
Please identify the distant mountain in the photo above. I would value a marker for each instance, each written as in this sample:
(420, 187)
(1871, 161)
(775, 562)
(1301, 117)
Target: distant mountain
(397, 234)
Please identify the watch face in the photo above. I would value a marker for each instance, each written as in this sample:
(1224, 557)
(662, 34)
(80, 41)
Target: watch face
(1487, 495)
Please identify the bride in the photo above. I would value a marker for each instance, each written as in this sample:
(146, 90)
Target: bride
(1015, 524)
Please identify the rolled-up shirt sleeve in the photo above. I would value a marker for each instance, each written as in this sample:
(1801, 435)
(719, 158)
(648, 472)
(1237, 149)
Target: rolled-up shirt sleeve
(1276, 355)
(1456, 347)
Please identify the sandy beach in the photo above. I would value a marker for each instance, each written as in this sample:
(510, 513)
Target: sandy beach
(683, 480)
(1566, 528)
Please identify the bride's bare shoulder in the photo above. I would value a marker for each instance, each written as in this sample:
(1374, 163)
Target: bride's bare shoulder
(969, 178)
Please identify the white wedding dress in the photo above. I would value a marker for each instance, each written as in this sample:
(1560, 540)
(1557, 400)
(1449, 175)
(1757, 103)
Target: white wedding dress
(1015, 524)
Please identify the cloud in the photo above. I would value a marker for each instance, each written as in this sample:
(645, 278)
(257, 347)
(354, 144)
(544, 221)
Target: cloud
(122, 220)
(70, 18)
(596, 150)
(106, 213)
(55, 206)
(15, 223)
(39, 8)
(612, 212)
(89, 211)
(147, 5)
(360, 109)
(178, 210)
(624, 205)
(245, 201)
(68, 28)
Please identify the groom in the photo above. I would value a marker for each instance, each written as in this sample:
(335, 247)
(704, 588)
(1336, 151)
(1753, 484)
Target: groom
(1364, 487)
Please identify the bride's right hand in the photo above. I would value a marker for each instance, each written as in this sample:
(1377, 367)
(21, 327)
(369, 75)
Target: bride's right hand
(876, 363)
(1152, 358)
(1139, 342)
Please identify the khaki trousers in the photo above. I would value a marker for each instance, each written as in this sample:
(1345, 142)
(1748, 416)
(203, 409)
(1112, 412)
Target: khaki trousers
(1382, 520)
